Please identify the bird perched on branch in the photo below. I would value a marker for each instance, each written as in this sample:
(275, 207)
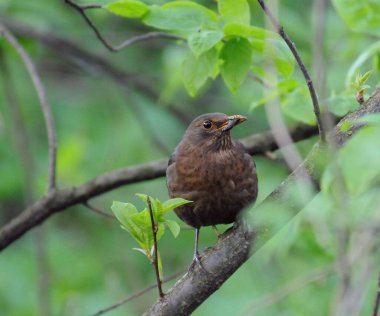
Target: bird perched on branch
(212, 170)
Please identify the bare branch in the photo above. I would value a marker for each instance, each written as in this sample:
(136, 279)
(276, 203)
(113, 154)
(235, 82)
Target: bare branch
(292, 47)
(44, 103)
(82, 12)
(97, 211)
(145, 37)
(60, 200)
(134, 296)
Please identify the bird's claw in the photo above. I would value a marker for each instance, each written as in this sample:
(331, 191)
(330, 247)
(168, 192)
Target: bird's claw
(197, 260)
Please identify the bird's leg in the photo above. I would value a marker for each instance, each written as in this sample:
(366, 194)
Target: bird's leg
(196, 252)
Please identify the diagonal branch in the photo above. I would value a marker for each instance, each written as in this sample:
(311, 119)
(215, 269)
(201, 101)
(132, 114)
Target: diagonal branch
(62, 199)
(135, 295)
(145, 37)
(239, 243)
(280, 30)
(44, 103)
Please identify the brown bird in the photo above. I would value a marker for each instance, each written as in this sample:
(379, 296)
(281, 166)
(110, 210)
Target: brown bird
(212, 170)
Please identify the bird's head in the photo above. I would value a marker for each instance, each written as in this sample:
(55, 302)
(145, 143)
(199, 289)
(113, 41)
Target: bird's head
(212, 129)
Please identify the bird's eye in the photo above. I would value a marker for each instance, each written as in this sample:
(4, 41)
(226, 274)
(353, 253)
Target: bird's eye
(207, 124)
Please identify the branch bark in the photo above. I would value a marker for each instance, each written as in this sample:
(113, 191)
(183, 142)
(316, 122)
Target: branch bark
(239, 243)
(59, 200)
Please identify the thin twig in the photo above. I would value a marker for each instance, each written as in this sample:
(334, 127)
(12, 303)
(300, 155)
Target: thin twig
(155, 255)
(280, 30)
(377, 301)
(98, 211)
(135, 295)
(82, 12)
(90, 6)
(145, 37)
(44, 103)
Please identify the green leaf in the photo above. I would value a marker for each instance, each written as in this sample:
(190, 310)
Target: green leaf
(173, 203)
(159, 207)
(237, 57)
(371, 51)
(298, 106)
(174, 227)
(142, 219)
(144, 198)
(278, 51)
(190, 4)
(196, 70)
(238, 29)
(203, 41)
(359, 160)
(366, 76)
(284, 88)
(234, 11)
(160, 231)
(141, 250)
(123, 213)
(177, 18)
(160, 270)
(361, 16)
(128, 8)
(340, 105)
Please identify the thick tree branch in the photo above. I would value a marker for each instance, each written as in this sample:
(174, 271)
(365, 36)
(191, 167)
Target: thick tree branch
(238, 244)
(293, 49)
(44, 103)
(62, 199)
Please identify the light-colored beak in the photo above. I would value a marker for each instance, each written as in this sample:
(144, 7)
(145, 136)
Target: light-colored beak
(232, 121)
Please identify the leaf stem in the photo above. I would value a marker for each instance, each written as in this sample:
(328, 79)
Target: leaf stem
(155, 255)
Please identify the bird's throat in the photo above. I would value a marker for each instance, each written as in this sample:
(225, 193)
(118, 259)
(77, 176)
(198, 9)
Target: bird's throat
(222, 143)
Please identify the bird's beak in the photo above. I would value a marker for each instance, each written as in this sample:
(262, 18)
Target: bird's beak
(232, 121)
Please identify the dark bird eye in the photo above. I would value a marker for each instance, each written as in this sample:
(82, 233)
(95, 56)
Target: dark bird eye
(207, 124)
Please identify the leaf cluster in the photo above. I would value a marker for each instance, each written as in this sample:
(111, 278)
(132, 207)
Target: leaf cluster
(139, 224)
(221, 43)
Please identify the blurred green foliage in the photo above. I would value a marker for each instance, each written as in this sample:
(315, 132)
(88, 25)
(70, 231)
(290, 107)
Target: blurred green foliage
(104, 124)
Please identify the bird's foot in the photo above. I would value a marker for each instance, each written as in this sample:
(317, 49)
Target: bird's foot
(197, 260)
